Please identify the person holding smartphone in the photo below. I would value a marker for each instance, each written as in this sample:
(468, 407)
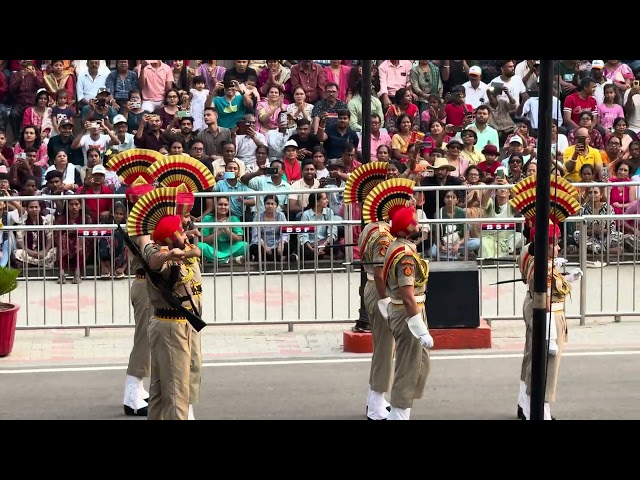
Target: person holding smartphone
(575, 156)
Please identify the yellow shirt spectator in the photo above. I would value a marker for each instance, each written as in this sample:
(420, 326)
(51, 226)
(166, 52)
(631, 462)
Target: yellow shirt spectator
(591, 157)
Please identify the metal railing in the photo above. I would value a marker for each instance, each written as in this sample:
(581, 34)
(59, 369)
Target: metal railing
(290, 290)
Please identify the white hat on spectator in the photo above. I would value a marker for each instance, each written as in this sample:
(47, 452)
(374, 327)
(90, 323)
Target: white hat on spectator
(475, 70)
(516, 139)
(290, 143)
(119, 119)
(597, 64)
(99, 169)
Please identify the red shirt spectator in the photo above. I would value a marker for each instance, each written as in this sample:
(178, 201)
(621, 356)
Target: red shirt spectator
(576, 103)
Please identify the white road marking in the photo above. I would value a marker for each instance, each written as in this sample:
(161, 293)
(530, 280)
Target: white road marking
(258, 363)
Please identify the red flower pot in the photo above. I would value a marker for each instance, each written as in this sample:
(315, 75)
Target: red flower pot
(8, 318)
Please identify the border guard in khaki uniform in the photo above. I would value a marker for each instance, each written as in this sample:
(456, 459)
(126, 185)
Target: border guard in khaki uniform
(563, 205)
(373, 242)
(406, 274)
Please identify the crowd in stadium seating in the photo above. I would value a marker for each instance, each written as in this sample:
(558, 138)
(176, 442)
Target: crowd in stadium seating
(296, 125)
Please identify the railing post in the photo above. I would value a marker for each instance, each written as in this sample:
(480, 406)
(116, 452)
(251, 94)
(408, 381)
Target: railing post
(582, 255)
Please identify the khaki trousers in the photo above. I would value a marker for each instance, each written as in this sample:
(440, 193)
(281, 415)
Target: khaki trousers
(195, 376)
(169, 390)
(527, 314)
(383, 343)
(140, 356)
(553, 361)
(412, 360)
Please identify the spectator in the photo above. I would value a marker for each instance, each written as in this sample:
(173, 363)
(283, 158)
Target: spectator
(269, 240)
(316, 244)
(72, 250)
(34, 247)
(155, 79)
(312, 78)
(225, 243)
(120, 82)
(23, 85)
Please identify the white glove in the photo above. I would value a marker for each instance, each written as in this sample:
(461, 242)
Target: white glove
(552, 333)
(419, 330)
(559, 262)
(382, 306)
(426, 340)
(574, 275)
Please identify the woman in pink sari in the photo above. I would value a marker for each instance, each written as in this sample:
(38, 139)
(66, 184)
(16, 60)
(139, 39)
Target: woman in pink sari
(339, 74)
(30, 137)
(39, 115)
(621, 197)
(269, 109)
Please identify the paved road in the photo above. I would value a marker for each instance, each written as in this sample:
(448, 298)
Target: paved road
(593, 385)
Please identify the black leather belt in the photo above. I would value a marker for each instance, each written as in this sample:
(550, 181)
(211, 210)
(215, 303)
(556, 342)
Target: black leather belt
(169, 314)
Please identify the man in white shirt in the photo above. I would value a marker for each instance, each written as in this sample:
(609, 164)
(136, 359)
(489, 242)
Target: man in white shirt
(120, 127)
(276, 140)
(532, 104)
(475, 89)
(512, 81)
(528, 71)
(89, 82)
(246, 144)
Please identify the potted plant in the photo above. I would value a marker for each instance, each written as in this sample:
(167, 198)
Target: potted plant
(8, 311)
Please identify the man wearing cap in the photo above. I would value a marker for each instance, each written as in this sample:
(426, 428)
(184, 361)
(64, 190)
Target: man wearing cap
(475, 89)
(156, 220)
(135, 397)
(597, 73)
(405, 274)
(99, 108)
(490, 164)
(127, 140)
(63, 141)
(441, 177)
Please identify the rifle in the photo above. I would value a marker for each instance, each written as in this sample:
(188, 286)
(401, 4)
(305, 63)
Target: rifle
(159, 282)
(515, 280)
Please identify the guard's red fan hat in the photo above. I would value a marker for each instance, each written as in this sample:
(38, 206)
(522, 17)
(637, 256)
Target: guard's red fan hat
(386, 197)
(174, 170)
(362, 180)
(137, 188)
(184, 200)
(563, 202)
(150, 209)
(133, 163)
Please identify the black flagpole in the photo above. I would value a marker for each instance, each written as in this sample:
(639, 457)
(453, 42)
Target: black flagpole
(363, 320)
(541, 243)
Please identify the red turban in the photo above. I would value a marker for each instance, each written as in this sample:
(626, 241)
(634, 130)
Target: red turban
(554, 232)
(404, 221)
(168, 230)
(134, 193)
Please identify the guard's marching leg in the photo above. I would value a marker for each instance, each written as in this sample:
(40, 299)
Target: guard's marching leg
(135, 396)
